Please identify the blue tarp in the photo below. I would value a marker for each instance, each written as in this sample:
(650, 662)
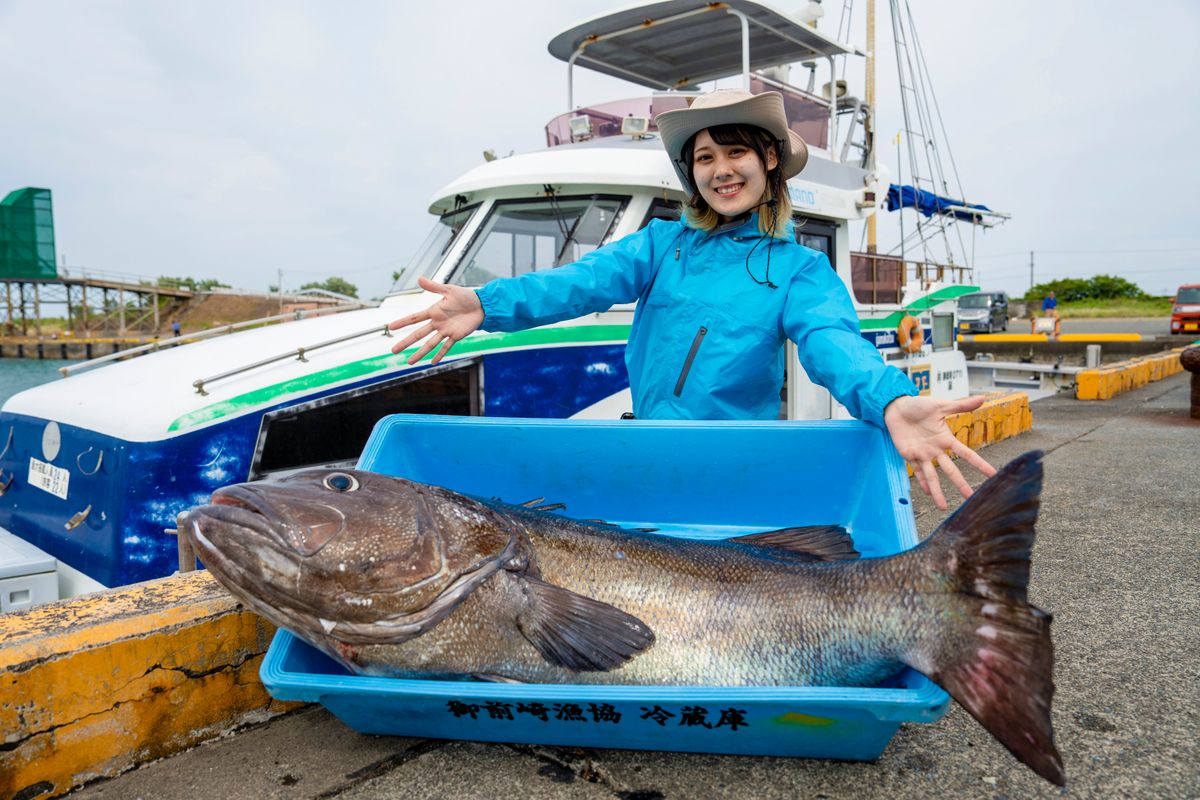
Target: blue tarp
(928, 203)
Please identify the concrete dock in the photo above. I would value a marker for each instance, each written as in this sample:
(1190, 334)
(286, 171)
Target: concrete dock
(1115, 563)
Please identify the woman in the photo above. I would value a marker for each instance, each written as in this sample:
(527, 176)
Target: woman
(718, 295)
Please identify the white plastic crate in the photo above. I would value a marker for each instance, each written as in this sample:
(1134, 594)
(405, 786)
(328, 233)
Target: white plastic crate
(28, 576)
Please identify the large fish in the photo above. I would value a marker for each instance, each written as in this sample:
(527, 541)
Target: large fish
(392, 577)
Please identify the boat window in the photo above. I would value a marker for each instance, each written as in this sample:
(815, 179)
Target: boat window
(662, 209)
(521, 236)
(876, 278)
(943, 332)
(333, 430)
(437, 243)
(816, 234)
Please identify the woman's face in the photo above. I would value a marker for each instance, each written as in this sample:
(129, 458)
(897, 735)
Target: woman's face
(730, 177)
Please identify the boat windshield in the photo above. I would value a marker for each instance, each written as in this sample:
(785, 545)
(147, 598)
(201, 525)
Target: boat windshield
(521, 236)
(974, 301)
(436, 244)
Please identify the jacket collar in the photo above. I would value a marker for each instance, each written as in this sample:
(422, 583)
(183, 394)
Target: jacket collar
(746, 226)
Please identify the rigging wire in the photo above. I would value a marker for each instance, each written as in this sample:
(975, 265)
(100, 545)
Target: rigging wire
(928, 101)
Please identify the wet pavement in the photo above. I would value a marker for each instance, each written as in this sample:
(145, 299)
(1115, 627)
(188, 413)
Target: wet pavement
(1115, 562)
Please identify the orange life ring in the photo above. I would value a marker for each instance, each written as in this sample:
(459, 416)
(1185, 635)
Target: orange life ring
(910, 334)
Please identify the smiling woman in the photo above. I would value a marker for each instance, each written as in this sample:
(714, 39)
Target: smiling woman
(708, 334)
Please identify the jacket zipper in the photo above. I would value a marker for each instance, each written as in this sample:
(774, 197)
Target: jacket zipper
(691, 356)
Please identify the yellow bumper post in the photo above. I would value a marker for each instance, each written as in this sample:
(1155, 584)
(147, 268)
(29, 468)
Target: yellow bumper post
(1107, 382)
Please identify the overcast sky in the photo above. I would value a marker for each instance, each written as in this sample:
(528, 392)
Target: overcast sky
(232, 140)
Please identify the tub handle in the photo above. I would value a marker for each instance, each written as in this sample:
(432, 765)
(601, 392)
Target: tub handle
(8, 443)
(79, 462)
(78, 518)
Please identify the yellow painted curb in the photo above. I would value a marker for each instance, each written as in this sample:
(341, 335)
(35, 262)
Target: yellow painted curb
(1107, 382)
(94, 686)
(1100, 337)
(1011, 337)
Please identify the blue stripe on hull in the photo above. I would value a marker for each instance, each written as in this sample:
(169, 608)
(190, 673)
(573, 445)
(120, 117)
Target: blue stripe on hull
(552, 383)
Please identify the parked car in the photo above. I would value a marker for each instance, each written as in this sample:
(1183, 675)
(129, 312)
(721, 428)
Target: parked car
(983, 312)
(1185, 314)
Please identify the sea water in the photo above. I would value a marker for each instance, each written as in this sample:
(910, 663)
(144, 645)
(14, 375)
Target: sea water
(19, 374)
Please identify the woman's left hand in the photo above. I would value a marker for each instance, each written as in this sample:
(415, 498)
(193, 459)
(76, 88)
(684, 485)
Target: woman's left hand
(918, 429)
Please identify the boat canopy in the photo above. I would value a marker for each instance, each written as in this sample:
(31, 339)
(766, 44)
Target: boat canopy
(678, 44)
(929, 204)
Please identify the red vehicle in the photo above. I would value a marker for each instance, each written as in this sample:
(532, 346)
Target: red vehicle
(1185, 314)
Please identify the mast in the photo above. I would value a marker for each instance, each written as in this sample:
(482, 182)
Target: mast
(870, 92)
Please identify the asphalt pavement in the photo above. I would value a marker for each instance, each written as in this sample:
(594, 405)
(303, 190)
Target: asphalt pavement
(1115, 562)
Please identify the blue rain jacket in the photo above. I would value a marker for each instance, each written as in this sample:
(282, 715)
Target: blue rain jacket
(707, 341)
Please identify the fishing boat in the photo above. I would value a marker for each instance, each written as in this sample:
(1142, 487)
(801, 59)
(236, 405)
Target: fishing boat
(95, 468)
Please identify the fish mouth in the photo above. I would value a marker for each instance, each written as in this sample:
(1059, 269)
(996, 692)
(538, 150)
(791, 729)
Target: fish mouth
(303, 527)
(250, 567)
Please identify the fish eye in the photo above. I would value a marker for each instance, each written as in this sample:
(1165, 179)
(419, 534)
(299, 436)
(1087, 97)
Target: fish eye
(341, 482)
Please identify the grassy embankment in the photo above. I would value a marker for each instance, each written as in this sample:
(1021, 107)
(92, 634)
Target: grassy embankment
(1151, 307)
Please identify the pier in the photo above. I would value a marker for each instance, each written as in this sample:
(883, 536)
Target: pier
(115, 306)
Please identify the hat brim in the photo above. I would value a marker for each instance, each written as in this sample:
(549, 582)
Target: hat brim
(764, 110)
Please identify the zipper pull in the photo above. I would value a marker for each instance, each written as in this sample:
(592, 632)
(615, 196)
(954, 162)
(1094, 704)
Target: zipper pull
(677, 252)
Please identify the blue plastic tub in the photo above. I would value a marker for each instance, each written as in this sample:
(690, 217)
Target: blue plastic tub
(706, 479)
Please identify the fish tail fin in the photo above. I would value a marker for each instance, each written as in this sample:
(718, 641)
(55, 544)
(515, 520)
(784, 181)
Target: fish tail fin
(997, 661)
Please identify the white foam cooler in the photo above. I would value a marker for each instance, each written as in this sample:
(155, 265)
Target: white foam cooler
(28, 576)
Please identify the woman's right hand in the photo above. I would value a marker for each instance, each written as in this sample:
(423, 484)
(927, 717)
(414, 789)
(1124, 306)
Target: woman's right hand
(455, 316)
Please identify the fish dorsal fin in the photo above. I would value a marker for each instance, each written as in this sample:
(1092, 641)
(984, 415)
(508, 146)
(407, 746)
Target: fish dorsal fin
(813, 542)
(577, 632)
(537, 504)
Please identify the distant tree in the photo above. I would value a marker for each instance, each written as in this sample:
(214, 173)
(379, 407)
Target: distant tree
(1098, 287)
(334, 284)
(191, 284)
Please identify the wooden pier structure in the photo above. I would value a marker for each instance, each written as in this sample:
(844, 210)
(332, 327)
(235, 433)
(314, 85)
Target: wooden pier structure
(94, 305)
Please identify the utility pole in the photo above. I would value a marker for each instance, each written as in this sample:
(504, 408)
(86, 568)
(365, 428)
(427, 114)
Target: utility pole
(870, 93)
(1031, 270)
(280, 278)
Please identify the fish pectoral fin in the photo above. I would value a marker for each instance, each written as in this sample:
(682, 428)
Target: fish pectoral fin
(577, 632)
(815, 542)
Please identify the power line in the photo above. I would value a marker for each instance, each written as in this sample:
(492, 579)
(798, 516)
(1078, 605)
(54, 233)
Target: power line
(1094, 252)
(1021, 271)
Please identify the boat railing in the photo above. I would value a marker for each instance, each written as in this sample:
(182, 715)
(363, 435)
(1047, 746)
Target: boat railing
(808, 115)
(298, 354)
(209, 333)
(881, 279)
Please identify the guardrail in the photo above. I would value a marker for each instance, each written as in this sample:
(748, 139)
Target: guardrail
(298, 354)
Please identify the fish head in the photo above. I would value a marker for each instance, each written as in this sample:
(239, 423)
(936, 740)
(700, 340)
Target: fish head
(355, 555)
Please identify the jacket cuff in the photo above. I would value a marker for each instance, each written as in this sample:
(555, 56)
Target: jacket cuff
(484, 293)
(897, 385)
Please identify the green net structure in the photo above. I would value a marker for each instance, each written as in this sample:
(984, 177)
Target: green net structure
(27, 235)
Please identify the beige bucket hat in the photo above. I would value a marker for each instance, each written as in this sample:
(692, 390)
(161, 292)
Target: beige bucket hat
(725, 107)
